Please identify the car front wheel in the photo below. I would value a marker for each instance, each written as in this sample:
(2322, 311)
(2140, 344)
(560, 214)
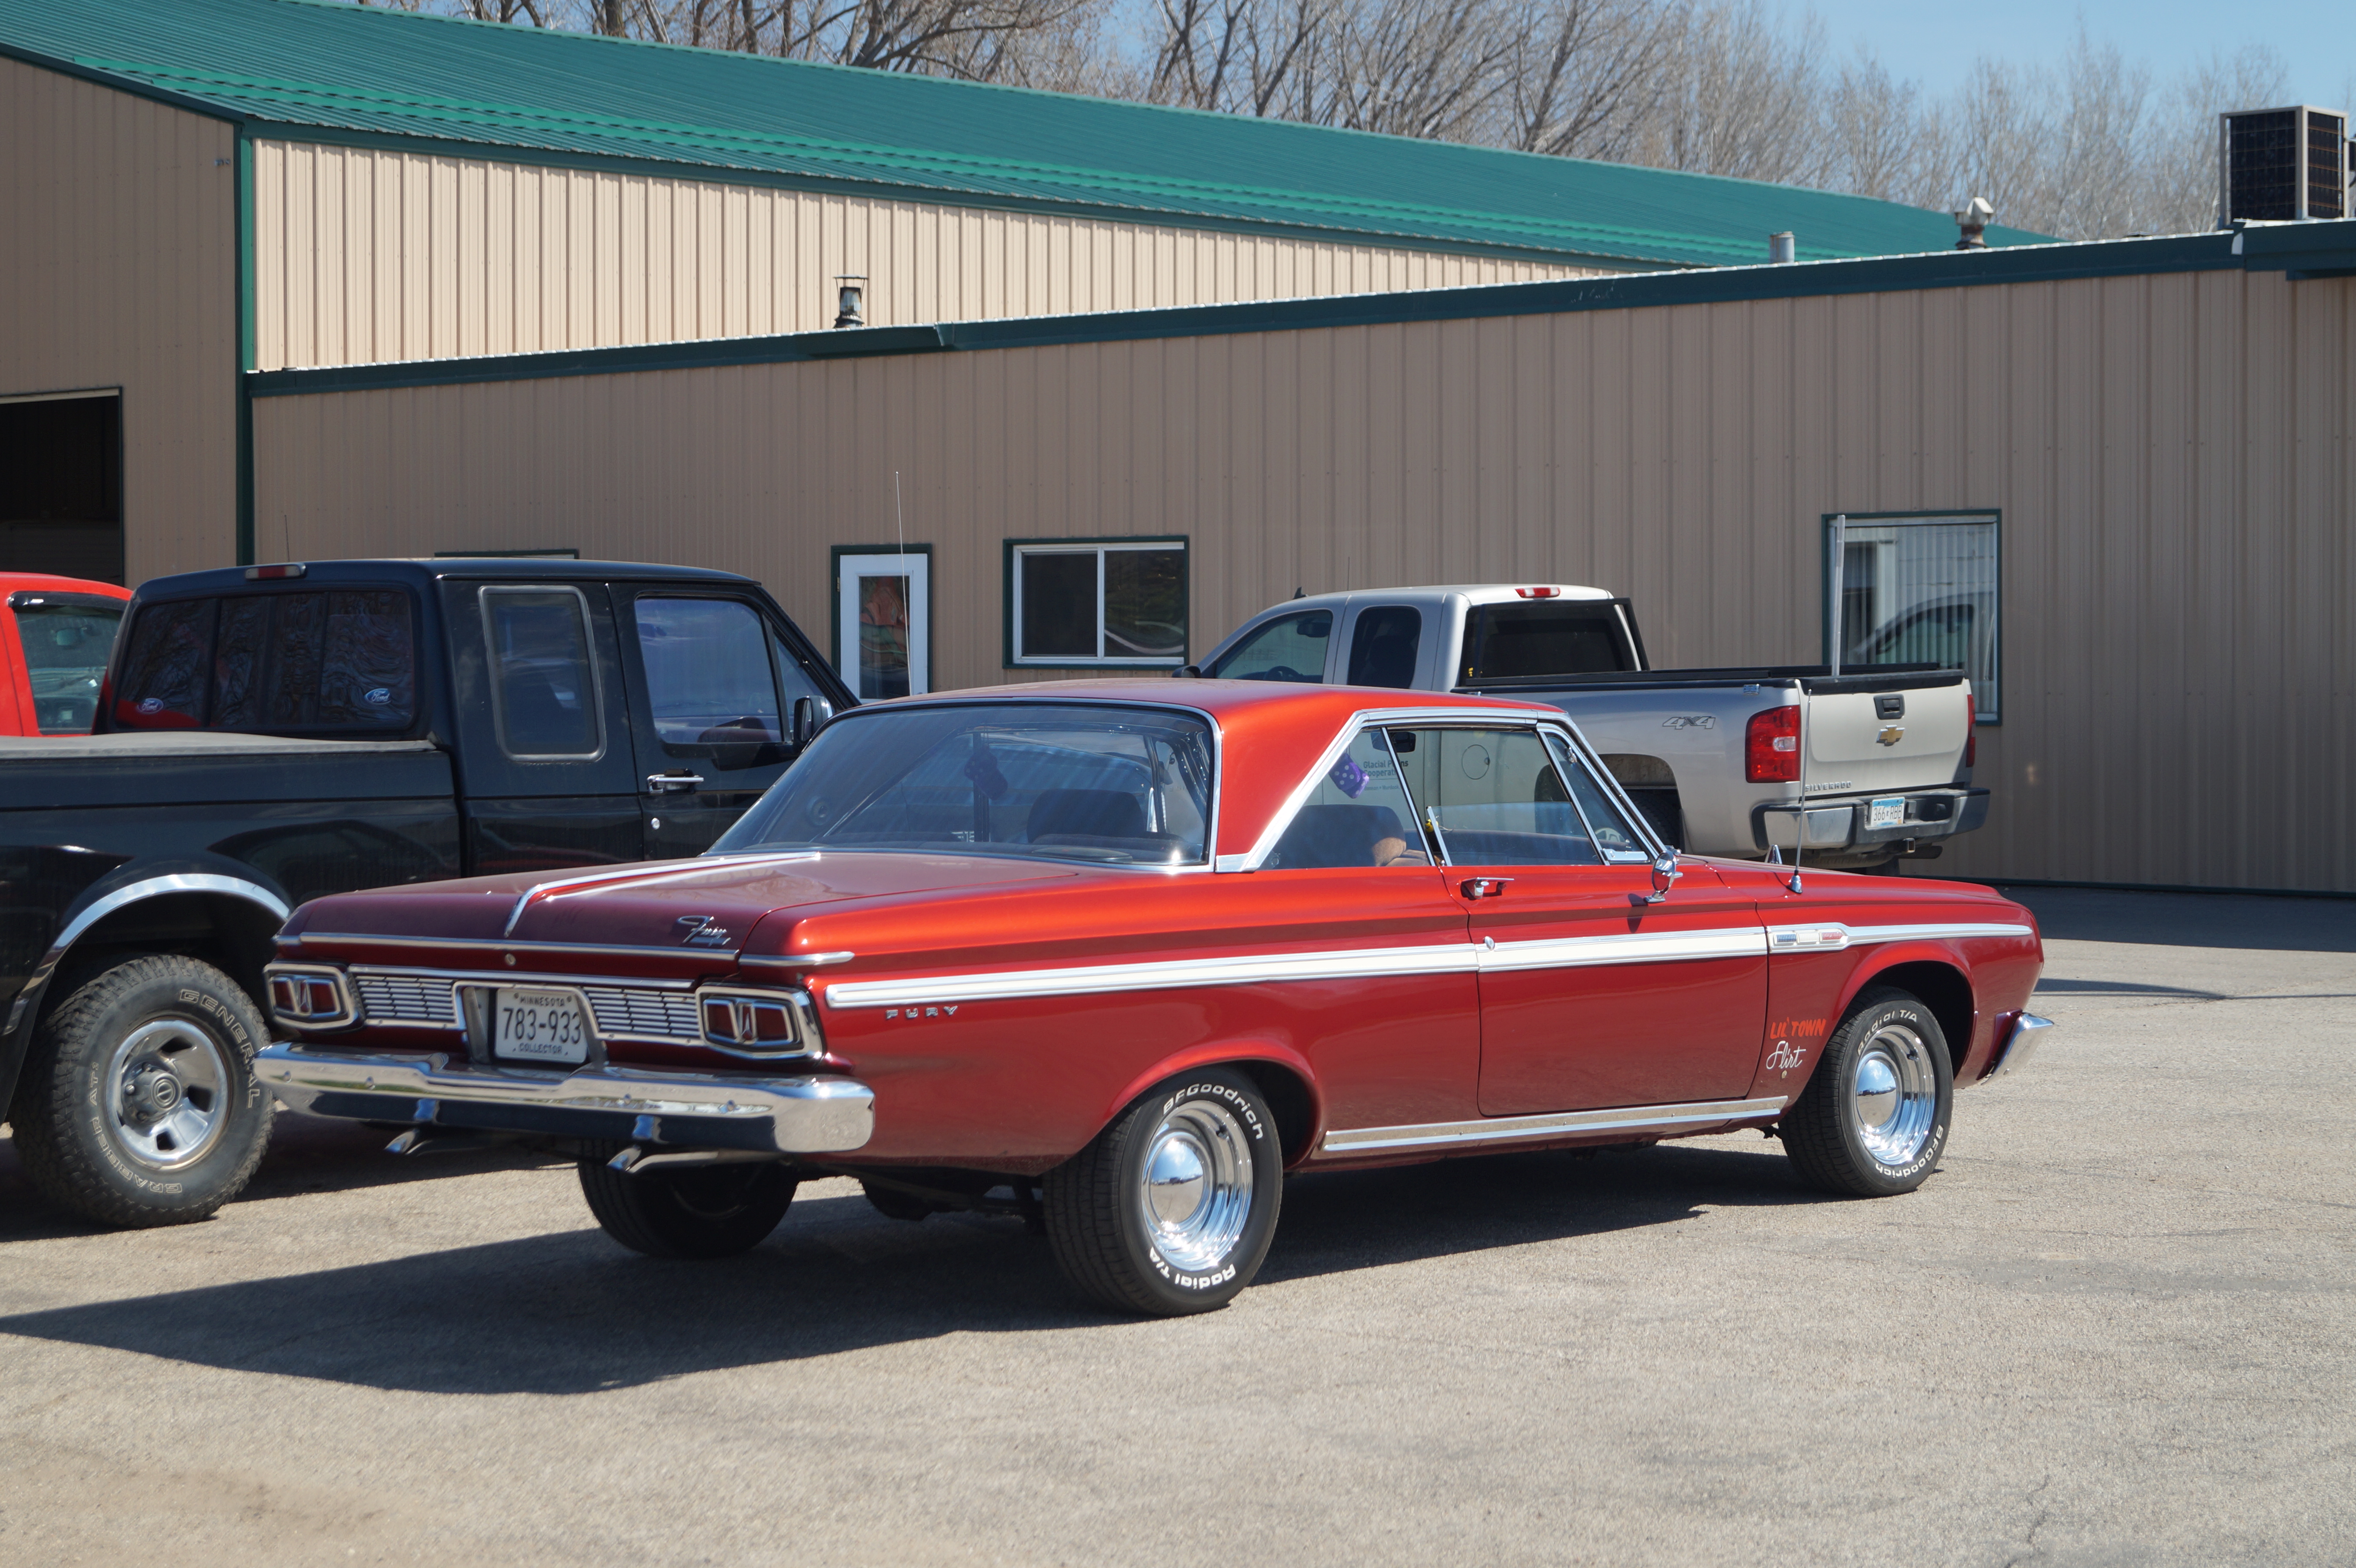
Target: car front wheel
(1873, 1120)
(1171, 1208)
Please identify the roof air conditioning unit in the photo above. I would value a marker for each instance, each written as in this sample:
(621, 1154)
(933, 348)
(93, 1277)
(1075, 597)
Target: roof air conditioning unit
(2280, 165)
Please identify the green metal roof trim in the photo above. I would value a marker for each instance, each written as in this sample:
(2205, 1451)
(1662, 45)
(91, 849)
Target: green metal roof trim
(330, 68)
(2299, 251)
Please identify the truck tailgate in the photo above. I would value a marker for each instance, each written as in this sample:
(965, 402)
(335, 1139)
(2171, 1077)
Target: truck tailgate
(1852, 746)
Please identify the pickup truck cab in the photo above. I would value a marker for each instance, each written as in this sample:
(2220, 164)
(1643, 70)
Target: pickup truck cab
(271, 735)
(55, 633)
(1720, 761)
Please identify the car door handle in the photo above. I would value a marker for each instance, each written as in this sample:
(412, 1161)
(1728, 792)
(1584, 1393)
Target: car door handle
(1483, 887)
(672, 784)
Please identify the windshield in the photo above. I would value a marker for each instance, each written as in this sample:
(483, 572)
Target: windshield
(1048, 780)
(66, 644)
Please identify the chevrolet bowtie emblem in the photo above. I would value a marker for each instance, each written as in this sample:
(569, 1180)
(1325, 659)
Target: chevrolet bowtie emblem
(701, 931)
(1891, 734)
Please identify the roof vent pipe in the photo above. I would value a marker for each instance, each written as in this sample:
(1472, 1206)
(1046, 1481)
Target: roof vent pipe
(850, 288)
(1974, 222)
(1780, 250)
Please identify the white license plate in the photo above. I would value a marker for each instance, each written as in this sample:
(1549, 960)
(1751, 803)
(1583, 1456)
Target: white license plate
(1889, 811)
(539, 1026)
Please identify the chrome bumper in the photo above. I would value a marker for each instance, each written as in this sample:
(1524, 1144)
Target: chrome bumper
(2018, 1044)
(817, 1113)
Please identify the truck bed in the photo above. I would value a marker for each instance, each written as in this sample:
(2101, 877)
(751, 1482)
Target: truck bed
(82, 772)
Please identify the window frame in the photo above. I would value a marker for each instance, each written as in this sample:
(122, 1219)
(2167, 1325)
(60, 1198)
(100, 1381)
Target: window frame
(1011, 586)
(1256, 858)
(1829, 622)
(491, 670)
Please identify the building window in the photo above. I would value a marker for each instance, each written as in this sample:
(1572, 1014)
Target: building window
(1921, 590)
(1081, 604)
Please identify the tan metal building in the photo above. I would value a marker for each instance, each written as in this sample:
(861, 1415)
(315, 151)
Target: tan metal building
(2156, 432)
(196, 190)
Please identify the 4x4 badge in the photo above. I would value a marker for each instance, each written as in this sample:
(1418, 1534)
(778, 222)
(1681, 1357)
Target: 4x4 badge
(701, 931)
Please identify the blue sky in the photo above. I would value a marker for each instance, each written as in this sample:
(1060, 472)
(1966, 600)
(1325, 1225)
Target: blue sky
(1935, 44)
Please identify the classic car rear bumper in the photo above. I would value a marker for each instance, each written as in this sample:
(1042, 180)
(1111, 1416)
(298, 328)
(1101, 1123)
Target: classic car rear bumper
(2018, 1042)
(816, 1114)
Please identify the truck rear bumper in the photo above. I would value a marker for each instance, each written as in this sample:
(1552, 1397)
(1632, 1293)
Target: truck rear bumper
(1842, 822)
(813, 1113)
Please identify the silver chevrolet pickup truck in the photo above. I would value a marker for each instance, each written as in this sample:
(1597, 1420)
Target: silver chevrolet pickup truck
(1720, 761)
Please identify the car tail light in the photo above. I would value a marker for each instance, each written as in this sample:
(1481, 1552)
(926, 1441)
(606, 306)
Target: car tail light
(1771, 746)
(750, 1023)
(1971, 729)
(308, 998)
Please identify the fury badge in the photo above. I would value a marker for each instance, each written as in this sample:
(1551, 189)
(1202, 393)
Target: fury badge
(701, 931)
(914, 1012)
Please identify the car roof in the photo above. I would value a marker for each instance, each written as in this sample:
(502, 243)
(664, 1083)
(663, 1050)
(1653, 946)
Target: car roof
(1272, 732)
(48, 583)
(418, 570)
(1472, 593)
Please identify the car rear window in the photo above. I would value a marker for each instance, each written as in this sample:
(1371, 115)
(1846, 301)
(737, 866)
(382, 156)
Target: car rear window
(340, 660)
(1509, 641)
(66, 641)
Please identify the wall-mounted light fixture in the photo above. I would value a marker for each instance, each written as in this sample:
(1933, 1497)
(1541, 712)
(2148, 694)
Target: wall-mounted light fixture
(851, 290)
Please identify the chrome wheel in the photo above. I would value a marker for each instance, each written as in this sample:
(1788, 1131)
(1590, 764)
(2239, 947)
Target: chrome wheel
(167, 1091)
(1894, 1096)
(1195, 1191)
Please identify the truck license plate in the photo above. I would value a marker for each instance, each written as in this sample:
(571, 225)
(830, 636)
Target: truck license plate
(1889, 811)
(539, 1026)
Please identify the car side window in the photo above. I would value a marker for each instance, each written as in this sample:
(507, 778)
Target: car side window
(543, 684)
(708, 680)
(1290, 647)
(1495, 798)
(1606, 822)
(1384, 646)
(1357, 816)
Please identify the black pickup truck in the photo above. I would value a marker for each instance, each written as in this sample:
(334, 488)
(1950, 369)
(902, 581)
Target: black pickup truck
(269, 734)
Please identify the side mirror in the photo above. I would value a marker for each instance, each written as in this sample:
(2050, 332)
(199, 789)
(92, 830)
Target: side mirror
(1187, 672)
(1665, 877)
(810, 716)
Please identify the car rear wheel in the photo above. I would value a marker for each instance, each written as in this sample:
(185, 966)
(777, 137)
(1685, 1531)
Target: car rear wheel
(139, 1105)
(1873, 1120)
(1171, 1208)
(694, 1212)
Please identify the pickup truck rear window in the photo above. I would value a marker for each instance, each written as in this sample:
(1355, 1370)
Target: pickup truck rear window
(342, 660)
(1508, 642)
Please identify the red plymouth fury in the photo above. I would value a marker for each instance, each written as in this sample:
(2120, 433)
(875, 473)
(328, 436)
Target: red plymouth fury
(1130, 951)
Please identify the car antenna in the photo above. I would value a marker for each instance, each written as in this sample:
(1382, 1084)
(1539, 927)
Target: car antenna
(1833, 665)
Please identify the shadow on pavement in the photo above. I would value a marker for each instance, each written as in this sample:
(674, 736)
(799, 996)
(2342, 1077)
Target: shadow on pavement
(572, 1313)
(2191, 920)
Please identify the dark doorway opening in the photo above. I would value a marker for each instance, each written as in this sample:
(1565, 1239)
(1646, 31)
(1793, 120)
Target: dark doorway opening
(61, 486)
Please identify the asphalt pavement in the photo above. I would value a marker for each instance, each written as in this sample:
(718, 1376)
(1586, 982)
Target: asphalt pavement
(2115, 1329)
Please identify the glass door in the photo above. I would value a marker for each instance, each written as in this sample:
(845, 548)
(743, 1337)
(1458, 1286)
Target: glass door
(882, 618)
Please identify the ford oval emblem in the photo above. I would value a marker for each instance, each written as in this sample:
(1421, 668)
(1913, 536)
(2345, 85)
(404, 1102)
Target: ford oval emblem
(377, 696)
(151, 705)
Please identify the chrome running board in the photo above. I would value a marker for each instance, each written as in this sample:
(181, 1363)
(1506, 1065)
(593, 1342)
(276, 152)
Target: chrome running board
(1557, 1124)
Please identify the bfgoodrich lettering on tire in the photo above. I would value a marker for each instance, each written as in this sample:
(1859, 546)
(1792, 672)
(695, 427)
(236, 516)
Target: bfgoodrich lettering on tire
(139, 1105)
(1171, 1208)
(1873, 1120)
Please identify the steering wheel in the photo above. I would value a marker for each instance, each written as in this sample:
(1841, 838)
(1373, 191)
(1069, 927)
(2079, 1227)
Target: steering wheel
(1278, 672)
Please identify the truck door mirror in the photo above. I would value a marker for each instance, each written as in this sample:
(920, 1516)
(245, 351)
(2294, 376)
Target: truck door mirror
(810, 716)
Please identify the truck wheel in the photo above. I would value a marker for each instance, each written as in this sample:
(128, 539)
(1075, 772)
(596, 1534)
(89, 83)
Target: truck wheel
(139, 1104)
(700, 1211)
(1171, 1208)
(1873, 1120)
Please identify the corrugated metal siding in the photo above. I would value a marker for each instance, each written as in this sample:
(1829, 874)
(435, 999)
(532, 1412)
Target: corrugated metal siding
(364, 255)
(2170, 454)
(118, 268)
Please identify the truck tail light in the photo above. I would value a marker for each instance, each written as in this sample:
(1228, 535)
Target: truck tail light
(1771, 746)
(1971, 729)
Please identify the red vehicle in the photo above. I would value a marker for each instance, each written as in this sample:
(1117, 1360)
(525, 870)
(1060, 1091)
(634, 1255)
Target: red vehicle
(55, 636)
(1127, 951)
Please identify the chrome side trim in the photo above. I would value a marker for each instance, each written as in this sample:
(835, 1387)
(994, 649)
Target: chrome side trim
(817, 1114)
(1521, 1129)
(480, 944)
(1935, 933)
(793, 960)
(1820, 936)
(1625, 947)
(2020, 1043)
(1088, 979)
